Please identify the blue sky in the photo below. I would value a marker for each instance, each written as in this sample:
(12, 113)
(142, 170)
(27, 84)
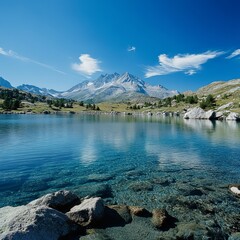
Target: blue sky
(180, 44)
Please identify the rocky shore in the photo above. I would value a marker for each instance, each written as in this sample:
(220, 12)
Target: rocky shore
(63, 215)
(191, 113)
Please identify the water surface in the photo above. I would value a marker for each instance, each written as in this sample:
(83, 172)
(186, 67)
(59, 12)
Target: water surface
(147, 161)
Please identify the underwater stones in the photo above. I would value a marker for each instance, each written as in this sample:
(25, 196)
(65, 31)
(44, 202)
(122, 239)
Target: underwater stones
(139, 211)
(196, 192)
(96, 190)
(88, 212)
(162, 220)
(234, 236)
(115, 216)
(123, 211)
(235, 189)
(34, 222)
(99, 177)
(191, 230)
(62, 200)
(35, 186)
(141, 186)
(163, 181)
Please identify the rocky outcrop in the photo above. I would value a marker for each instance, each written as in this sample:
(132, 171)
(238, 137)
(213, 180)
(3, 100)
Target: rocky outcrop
(228, 105)
(233, 116)
(61, 200)
(199, 113)
(88, 212)
(34, 222)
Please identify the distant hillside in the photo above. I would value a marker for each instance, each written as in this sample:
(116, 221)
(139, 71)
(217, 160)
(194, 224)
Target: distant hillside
(5, 83)
(40, 91)
(231, 87)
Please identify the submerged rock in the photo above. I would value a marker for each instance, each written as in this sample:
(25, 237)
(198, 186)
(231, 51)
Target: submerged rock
(235, 236)
(99, 177)
(162, 220)
(141, 186)
(191, 231)
(61, 200)
(34, 222)
(88, 212)
(96, 190)
(235, 189)
(139, 211)
(123, 211)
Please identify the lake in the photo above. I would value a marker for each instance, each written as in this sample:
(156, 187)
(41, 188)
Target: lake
(184, 166)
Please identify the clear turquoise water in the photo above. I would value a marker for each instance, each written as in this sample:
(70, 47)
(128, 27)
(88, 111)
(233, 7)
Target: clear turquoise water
(146, 161)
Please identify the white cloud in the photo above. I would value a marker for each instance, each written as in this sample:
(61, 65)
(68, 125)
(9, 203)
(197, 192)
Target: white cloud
(87, 65)
(15, 55)
(131, 49)
(2, 52)
(187, 63)
(234, 54)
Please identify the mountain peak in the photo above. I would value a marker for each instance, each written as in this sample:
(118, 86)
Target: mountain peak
(115, 86)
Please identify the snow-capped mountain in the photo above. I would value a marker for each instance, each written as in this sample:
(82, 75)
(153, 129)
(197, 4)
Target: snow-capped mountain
(36, 90)
(5, 83)
(116, 87)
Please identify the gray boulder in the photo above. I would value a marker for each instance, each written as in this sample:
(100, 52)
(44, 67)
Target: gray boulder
(199, 113)
(33, 222)
(88, 212)
(61, 200)
(219, 115)
(210, 114)
(233, 116)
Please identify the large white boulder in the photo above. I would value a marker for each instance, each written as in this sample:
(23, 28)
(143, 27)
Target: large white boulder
(61, 200)
(233, 116)
(33, 222)
(199, 113)
(88, 212)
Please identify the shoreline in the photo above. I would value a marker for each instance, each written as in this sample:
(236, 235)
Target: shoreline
(192, 113)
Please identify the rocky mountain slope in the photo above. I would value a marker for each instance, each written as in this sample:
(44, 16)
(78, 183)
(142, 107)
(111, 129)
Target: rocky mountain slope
(116, 87)
(5, 83)
(221, 88)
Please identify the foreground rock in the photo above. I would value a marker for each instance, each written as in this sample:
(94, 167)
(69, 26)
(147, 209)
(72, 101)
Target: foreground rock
(88, 212)
(61, 200)
(34, 222)
(162, 220)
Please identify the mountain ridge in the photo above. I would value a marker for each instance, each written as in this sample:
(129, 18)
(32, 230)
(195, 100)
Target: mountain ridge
(112, 86)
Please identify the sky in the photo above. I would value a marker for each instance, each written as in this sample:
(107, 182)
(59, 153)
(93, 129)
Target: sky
(180, 44)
